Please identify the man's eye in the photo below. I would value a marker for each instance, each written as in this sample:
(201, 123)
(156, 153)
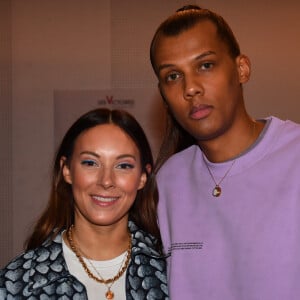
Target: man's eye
(206, 66)
(172, 76)
(89, 163)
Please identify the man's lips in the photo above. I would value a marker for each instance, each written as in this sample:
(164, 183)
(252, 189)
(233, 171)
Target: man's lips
(200, 112)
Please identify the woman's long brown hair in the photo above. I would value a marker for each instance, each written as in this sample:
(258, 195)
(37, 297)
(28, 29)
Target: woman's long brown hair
(59, 213)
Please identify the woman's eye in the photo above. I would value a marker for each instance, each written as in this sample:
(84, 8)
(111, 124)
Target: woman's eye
(125, 166)
(89, 163)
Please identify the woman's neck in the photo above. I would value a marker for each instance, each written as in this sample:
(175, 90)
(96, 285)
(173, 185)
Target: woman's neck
(100, 242)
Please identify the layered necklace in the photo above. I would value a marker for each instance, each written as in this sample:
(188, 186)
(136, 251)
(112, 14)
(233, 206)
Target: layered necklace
(108, 282)
(217, 190)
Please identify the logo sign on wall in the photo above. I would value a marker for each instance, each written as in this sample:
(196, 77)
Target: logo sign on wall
(144, 104)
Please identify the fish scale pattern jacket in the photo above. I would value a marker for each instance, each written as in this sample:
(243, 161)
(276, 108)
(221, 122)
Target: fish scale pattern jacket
(42, 273)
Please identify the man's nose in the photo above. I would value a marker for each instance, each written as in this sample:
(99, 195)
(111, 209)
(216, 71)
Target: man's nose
(192, 86)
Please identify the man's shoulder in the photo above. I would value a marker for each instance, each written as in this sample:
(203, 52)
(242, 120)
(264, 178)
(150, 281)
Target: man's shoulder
(288, 130)
(177, 160)
(286, 123)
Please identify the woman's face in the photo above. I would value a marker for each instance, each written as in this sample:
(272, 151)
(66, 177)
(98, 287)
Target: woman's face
(105, 173)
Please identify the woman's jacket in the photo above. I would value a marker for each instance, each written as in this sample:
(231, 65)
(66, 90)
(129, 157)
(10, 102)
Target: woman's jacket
(42, 273)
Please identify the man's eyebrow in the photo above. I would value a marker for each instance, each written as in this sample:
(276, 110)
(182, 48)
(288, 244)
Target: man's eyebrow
(202, 55)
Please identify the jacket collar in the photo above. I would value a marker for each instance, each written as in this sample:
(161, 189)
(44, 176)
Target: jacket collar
(48, 264)
(142, 242)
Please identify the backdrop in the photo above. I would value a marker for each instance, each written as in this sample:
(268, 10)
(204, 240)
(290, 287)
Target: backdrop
(52, 50)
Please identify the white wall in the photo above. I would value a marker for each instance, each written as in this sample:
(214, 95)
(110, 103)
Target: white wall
(102, 44)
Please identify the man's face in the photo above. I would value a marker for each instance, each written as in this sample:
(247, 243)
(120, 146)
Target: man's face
(200, 81)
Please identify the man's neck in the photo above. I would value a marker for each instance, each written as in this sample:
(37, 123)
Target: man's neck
(232, 144)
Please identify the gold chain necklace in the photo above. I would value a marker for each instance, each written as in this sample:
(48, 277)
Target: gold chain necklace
(107, 285)
(109, 294)
(217, 191)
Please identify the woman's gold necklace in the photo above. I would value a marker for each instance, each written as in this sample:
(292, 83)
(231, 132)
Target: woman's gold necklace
(109, 293)
(108, 282)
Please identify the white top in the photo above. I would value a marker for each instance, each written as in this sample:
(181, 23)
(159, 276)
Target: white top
(107, 269)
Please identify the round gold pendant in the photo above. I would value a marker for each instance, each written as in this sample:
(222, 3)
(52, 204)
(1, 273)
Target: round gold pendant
(109, 294)
(216, 191)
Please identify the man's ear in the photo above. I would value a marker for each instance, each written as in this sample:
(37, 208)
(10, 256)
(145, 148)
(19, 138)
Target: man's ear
(65, 170)
(244, 68)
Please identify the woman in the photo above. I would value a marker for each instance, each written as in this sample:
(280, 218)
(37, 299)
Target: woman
(98, 237)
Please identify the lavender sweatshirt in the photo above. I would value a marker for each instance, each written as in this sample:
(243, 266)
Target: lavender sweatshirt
(245, 244)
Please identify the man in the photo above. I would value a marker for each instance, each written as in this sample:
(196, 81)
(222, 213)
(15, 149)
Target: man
(229, 208)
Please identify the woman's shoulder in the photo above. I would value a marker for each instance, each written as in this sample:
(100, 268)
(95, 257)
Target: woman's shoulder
(33, 269)
(18, 261)
(20, 267)
(16, 273)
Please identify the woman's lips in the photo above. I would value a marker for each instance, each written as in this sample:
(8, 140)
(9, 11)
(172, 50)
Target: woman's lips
(104, 201)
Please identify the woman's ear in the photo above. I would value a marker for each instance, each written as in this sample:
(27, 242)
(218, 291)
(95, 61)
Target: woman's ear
(143, 181)
(244, 68)
(148, 169)
(65, 170)
(144, 176)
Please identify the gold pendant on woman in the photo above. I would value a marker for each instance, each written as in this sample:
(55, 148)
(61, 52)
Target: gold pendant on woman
(109, 294)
